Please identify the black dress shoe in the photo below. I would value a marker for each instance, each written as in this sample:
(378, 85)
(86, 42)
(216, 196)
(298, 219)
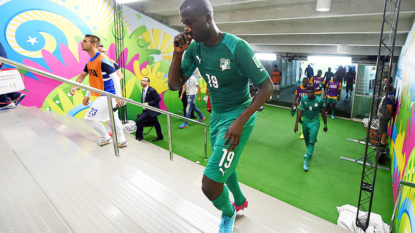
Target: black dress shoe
(157, 139)
(139, 139)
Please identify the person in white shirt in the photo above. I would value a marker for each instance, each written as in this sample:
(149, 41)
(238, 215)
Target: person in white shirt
(191, 87)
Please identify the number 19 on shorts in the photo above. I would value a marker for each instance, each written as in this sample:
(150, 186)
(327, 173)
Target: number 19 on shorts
(212, 81)
(228, 156)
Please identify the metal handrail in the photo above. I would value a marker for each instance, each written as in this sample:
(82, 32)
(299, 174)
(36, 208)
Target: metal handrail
(401, 184)
(109, 95)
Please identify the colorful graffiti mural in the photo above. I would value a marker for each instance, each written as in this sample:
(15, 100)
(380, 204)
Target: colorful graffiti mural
(402, 132)
(46, 34)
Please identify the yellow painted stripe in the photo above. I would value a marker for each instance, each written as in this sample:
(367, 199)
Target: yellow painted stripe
(99, 22)
(166, 40)
(156, 37)
(18, 20)
(109, 16)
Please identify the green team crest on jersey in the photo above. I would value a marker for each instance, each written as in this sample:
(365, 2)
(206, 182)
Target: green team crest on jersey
(225, 64)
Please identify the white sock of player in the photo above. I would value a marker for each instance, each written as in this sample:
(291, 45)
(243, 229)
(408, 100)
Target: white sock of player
(109, 126)
(119, 129)
(99, 127)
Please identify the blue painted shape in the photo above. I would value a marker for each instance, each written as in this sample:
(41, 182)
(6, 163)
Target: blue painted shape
(77, 109)
(13, 8)
(407, 208)
(31, 75)
(30, 28)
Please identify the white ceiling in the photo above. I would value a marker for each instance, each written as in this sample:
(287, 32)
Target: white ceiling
(294, 26)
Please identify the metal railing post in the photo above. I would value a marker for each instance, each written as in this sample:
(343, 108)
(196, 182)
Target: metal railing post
(169, 132)
(114, 132)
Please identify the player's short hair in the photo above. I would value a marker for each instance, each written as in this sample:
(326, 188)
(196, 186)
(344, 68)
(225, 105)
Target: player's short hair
(305, 78)
(320, 71)
(148, 79)
(275, 66)
(201, 7)
(101, 46)
(94, 39)
(311, 88)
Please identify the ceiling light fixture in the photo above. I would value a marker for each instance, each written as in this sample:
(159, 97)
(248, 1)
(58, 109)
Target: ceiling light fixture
(323, 5)
(329, 60)
(266, 56)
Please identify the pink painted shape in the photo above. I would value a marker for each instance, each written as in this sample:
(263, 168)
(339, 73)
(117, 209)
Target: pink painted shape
(39, 90)
(162, 103)
(130, 65)
(409, 143)
(395, 181)
(144, 65)
(111, 52)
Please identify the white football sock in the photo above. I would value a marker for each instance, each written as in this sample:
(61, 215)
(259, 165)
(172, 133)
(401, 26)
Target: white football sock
(99, 127)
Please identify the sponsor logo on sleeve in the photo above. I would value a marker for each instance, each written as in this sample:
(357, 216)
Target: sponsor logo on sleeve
(257, 63)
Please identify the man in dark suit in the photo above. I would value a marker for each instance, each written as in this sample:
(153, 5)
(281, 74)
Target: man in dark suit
(149, 97)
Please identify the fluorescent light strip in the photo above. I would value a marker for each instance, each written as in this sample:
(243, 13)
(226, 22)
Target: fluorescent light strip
(329, 60)
(266, 56)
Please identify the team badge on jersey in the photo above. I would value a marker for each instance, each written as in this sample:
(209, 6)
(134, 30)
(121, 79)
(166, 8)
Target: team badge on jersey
(225, 64)
(315, 104)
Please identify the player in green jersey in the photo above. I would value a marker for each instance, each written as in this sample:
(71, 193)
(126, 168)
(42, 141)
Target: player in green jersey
(310, 107)
(227, 64)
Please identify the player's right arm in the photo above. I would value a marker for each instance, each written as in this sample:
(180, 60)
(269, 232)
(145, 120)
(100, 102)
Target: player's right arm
(176, 77)
(80, 79)
(299, 115)
(295, 99)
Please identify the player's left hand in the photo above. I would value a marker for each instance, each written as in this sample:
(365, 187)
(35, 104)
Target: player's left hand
(120, 103)
(325, 129)
(200, 99)
(233, 135)
(295, 128)
(85, 102)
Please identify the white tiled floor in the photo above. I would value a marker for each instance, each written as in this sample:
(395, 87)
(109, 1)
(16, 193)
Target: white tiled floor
(54, 178)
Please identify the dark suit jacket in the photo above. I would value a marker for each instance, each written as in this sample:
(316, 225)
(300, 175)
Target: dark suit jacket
(153, 99)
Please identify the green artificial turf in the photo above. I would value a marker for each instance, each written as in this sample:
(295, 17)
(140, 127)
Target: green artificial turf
(273, 158)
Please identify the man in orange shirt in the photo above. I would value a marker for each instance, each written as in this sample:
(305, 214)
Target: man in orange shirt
(276, 79)
(103, 76)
